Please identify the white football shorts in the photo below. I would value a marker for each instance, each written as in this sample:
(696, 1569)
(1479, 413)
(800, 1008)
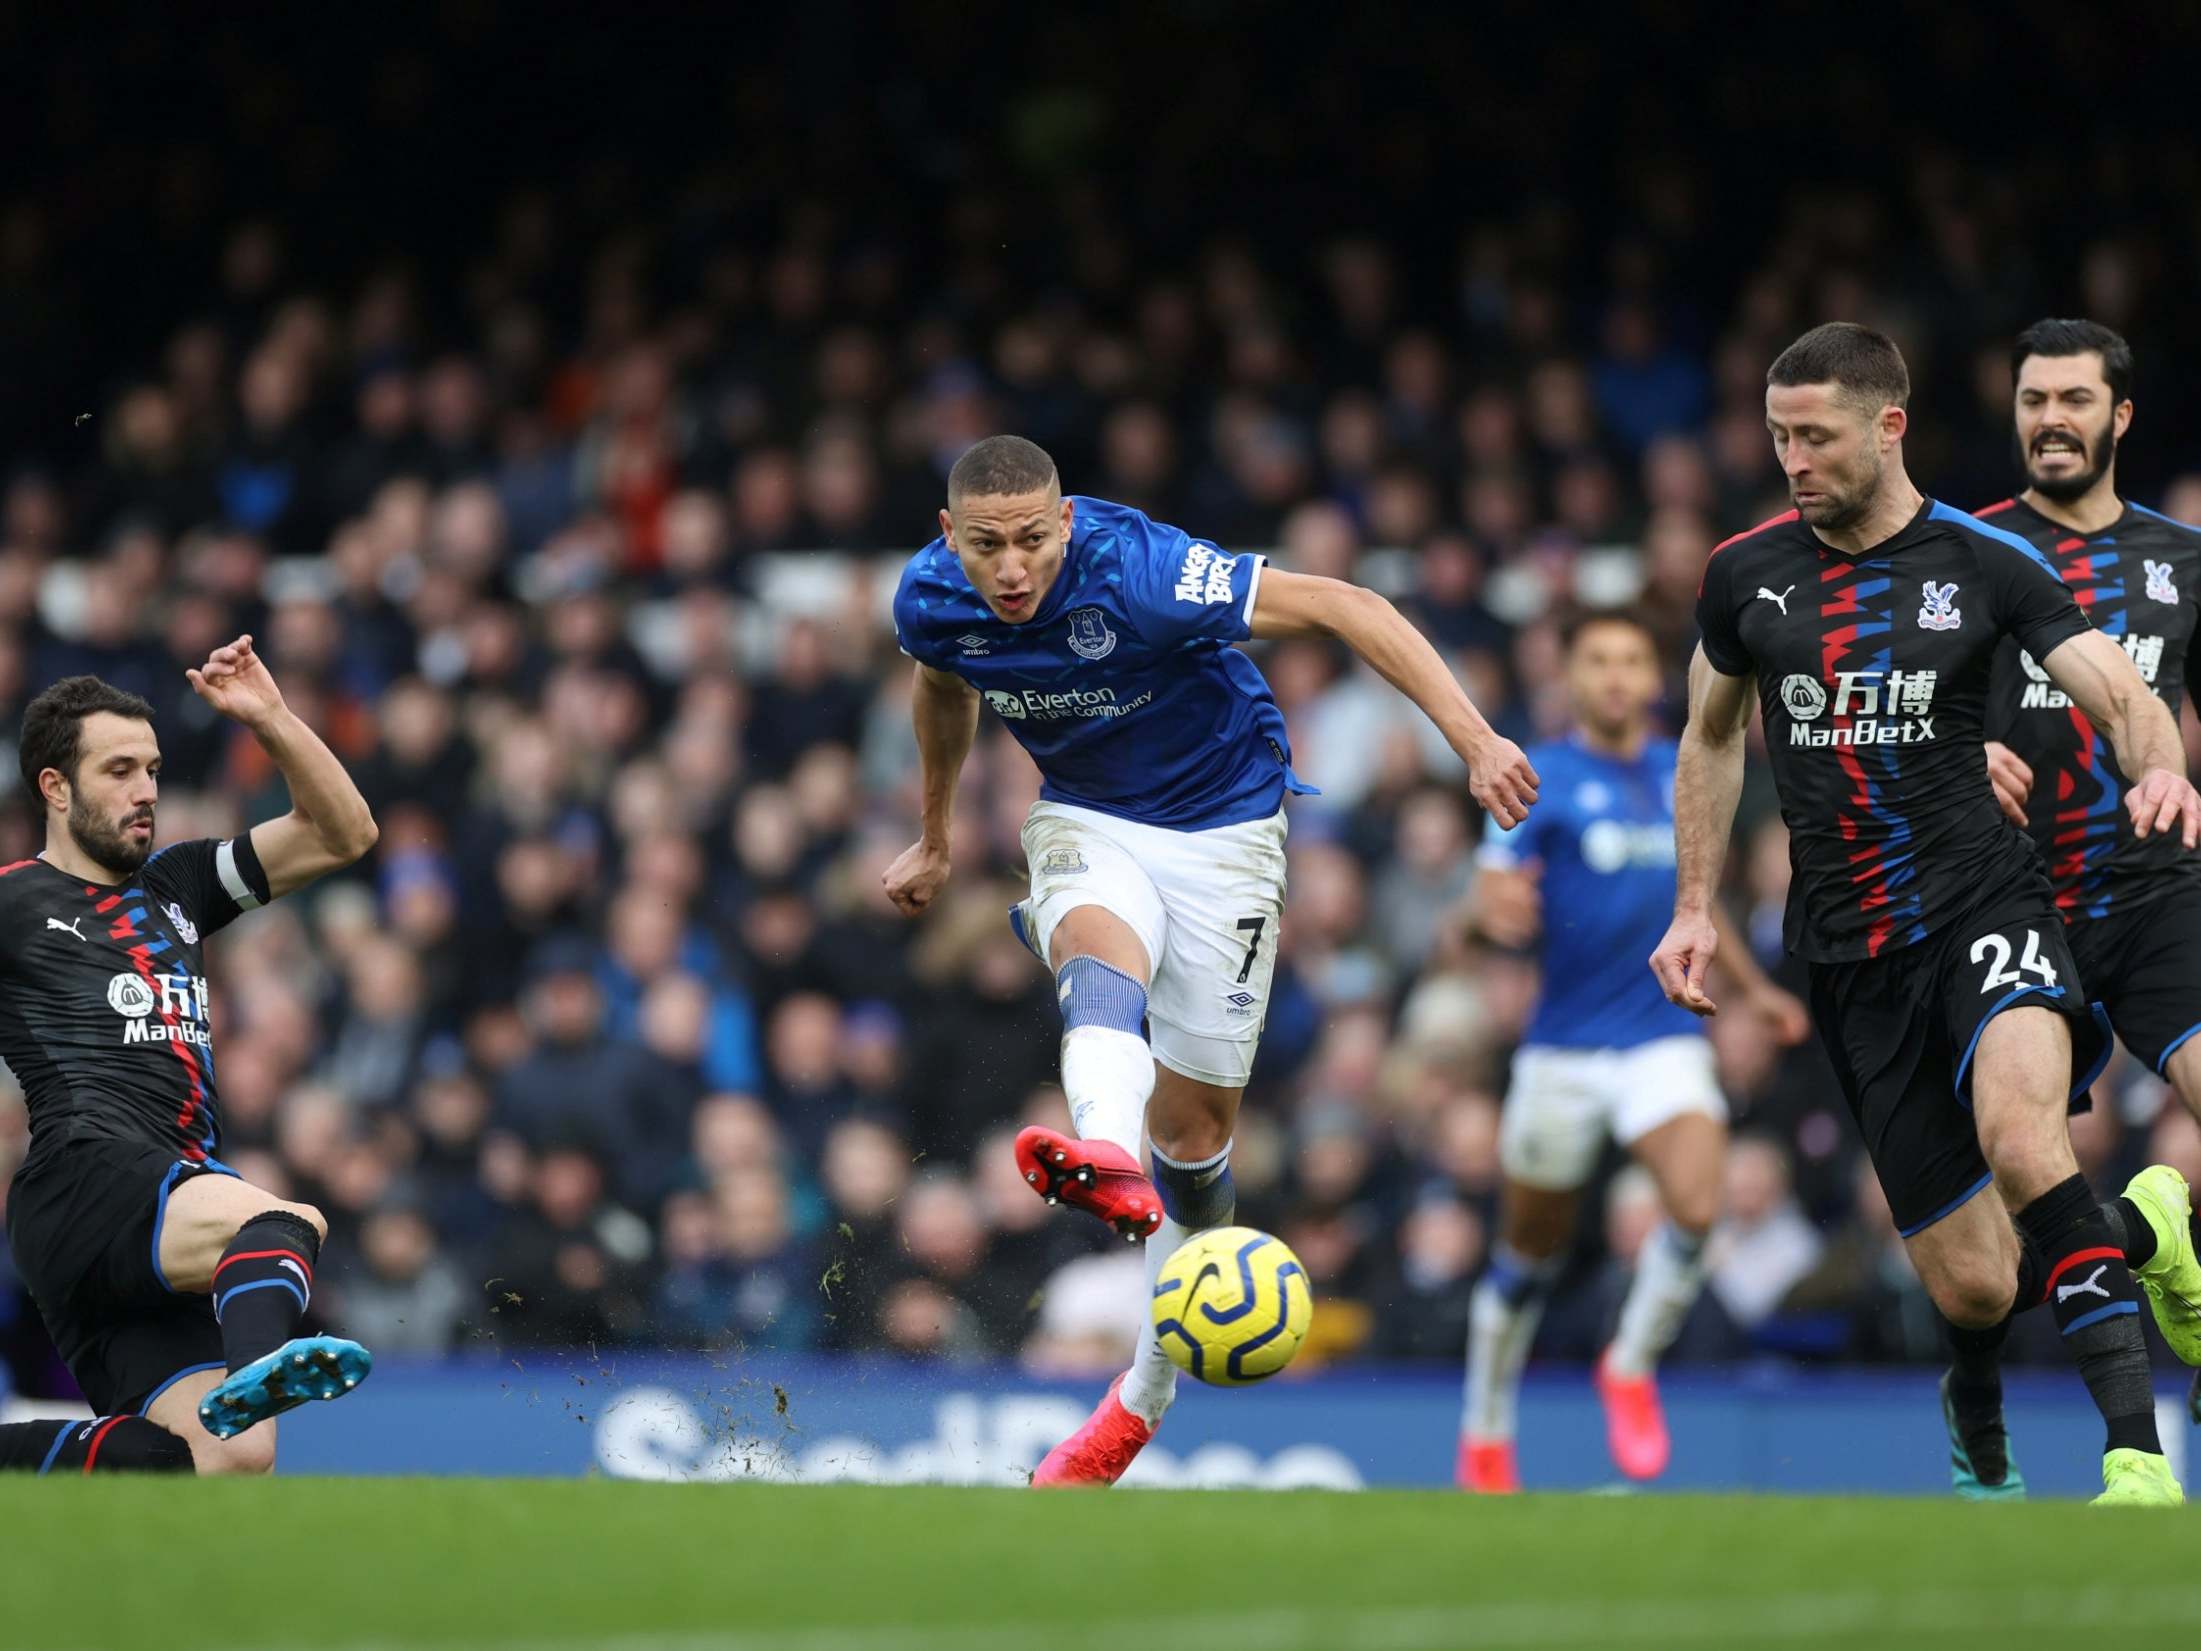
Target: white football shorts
(1564, 1102)
(1205, 904)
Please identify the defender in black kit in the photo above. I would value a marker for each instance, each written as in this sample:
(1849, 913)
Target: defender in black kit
(1868, 620)
(2131, 904)
(172, 1287)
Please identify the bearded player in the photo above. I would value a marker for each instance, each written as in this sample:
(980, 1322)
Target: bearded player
(1942, 984)
(2131, 905)
(172, 1287)
(1156, 852)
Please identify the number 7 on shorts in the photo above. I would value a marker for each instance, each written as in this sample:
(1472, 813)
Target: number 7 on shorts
(1253, 946)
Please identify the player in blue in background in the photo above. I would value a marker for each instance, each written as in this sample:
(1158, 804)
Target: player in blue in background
(1105, 641)
(1592, 872)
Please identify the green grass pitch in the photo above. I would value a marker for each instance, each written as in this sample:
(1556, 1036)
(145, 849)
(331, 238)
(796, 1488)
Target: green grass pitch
(329, 1565)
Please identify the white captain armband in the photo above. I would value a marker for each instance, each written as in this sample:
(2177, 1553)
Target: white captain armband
(243, 878)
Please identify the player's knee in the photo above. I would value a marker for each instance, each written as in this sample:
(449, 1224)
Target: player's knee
(1189, 1121)
(1695, 1212)
(250, 1453)
(1973, 1298)
(2026, 1154)
(1098, 933)
(1537, 1229)
(1695, 1220)
(1189, 1137)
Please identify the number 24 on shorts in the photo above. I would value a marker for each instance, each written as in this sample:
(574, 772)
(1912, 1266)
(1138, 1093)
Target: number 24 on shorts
(1999, 972)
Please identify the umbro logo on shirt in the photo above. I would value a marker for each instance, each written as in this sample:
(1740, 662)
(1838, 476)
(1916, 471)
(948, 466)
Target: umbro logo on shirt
(973, 644)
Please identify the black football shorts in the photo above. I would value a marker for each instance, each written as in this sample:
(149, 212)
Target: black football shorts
(2143, 964)
(84, 1220)
(1901, 1030)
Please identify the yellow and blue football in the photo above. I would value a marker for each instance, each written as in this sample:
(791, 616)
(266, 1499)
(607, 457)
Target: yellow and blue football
(1231, 1306)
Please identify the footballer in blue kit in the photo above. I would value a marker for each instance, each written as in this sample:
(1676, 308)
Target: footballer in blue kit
(1589, 879)
(1106, 643)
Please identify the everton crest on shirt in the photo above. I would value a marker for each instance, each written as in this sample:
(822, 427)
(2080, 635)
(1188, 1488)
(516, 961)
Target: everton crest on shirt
(2139, 582)
(1873, 673)
(1124, 684)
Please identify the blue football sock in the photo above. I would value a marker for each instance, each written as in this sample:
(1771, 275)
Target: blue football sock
(1196, 1195)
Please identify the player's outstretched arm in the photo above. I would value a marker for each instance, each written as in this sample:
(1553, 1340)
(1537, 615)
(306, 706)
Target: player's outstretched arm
(2104, 683)
(1297, 605)
(329, 824)
(944, 712)
(1707, 785)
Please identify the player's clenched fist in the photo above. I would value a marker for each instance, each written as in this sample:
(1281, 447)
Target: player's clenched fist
(918, 874)
(1682, 960)
(2164, 801)
(1500, 779)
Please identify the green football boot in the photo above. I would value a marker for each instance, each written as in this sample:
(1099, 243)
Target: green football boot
(2138, 1479)
(2172, 1275)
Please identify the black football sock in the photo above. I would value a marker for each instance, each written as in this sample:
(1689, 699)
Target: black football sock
(1975, 1396)
(2097, 1306)
(263, 1285)
(2131, 1230)
(2032, 1278)
(1975, 1364)
(105, 1444)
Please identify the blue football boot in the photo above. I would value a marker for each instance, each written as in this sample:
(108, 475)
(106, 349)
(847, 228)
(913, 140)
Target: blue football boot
(310, 1367)
(1981, 1465)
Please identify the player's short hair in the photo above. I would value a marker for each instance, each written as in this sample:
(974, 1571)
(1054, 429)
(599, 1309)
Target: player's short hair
(1001, 465)
(1864, 366)
(1579, 623)
(53, 724)
(2077, 337)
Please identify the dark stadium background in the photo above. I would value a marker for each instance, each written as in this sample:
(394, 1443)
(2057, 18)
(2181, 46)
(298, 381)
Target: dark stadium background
(553, 392)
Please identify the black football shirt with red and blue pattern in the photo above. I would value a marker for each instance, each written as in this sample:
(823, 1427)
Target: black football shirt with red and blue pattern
(1873, 672)
(2139, 583)
(106, 1018)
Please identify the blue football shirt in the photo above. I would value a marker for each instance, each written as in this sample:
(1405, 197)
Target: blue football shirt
(1124, 685)
(1602, 832)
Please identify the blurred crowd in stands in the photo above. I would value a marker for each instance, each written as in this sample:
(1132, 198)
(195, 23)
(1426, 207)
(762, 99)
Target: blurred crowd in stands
(576, 547)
